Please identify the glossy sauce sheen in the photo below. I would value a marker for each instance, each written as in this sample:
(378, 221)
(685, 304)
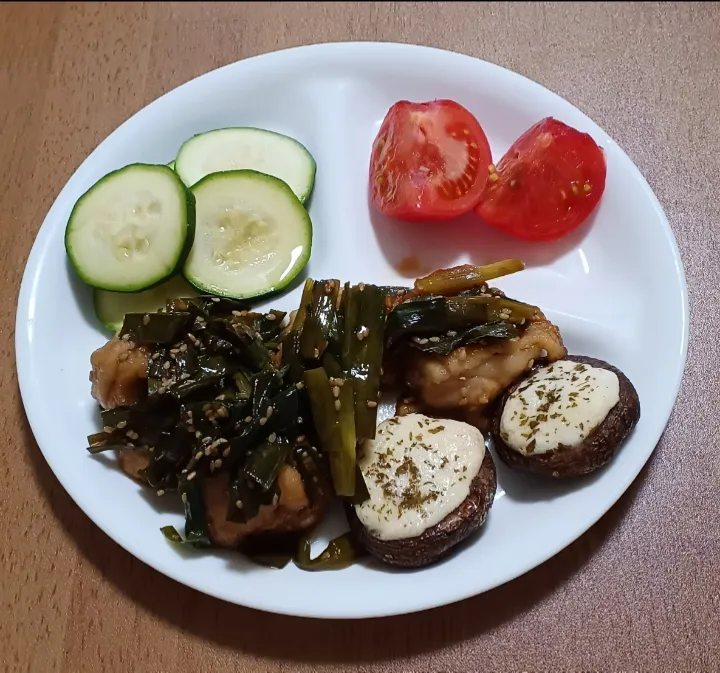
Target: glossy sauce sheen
(418, 470)
(560, 404)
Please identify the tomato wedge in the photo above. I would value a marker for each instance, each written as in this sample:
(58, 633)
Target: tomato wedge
(546, 185)
(429, 161)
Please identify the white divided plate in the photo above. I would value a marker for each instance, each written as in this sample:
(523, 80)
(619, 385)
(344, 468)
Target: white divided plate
(604, 286)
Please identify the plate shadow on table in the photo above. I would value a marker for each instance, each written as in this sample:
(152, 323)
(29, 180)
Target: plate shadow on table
(416, 249)
(297, 639)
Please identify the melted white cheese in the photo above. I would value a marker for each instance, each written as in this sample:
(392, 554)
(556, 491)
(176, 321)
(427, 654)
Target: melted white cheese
(560, 404)
(418, 470)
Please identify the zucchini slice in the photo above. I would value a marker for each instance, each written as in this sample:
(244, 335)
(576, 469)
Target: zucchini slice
(247, 148)
(253, 235)
(132, 229)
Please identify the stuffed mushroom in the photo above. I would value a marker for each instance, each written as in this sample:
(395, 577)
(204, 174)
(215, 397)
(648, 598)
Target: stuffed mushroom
(431, 483)
(565, 419)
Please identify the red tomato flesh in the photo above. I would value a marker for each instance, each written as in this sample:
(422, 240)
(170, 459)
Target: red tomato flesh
(546, 185)
(429, 161)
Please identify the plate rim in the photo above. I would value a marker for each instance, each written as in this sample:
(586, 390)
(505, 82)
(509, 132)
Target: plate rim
(33, 266)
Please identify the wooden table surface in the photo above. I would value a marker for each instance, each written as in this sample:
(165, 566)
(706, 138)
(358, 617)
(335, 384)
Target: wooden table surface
(640, 591)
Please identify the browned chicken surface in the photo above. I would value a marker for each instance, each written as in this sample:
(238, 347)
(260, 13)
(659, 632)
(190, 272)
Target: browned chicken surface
(119, 373)
(291, 513)
(473, 376)
(131, 461)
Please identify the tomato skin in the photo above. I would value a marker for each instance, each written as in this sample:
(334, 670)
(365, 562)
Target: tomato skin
(429, 161)
(546, 185)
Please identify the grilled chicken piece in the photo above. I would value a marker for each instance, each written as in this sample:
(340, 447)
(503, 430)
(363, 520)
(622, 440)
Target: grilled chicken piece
(293, 511)
(119, 373)
(131, 461)
(473, 376)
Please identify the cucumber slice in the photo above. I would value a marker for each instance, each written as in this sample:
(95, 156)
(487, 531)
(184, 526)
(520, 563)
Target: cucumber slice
(253, 235)
(132, 229)
(247, 148)
(111, 307)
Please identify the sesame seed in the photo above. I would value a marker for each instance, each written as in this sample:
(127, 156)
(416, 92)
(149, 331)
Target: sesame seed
(336, 391)
(452, 333)
(156, 356)
(207, 439)
(184, 376)
(222, 412)
(218, 463)
(238, 504)
(248, 419)
(269, 412)
(183, 348)
(237, 314)
(174, 351)
(166, 365)
(220, 397)
(270, 316)
(272, 437)
(363, 333)
(300, 439)
(192, 337)
(132, 434)
(275, 499)
(126, 337)
(191, 476)
(198, 434)
(121, 425)
(198, 455)
(371, 404)
(226, 453)
(146, 319)
(122, 357)
(435, 339)
(337, 405)
(108, 429)
(300, 385)
(263, 420)
(423, 341)
(161, 491)
(317, 353)
(215, 299)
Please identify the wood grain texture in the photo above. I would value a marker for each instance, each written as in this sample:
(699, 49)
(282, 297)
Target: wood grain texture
(640, 591)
